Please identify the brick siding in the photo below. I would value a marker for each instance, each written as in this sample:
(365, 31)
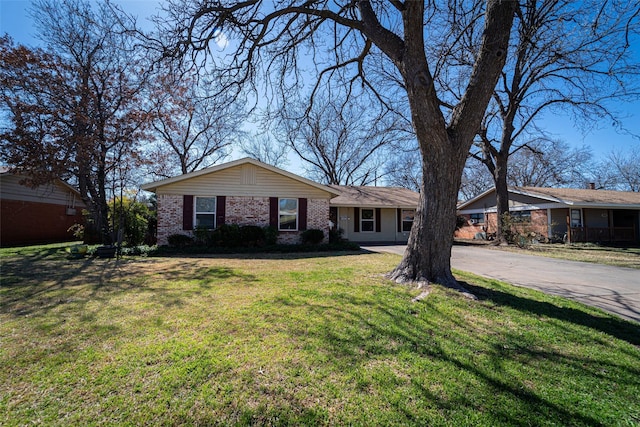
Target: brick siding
(538, 225)
(31, 222)
(241, 211)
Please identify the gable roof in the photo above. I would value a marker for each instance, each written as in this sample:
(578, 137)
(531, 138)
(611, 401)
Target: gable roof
(6, 172)
(374, 197)
(581, 196)
(153, 186)
(571, 196)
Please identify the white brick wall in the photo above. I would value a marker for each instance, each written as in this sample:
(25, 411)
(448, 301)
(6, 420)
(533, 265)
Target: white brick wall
(169, 217)
(247, 211)
(241, 211)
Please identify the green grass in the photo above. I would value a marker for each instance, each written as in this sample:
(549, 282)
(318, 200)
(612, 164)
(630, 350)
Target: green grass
(298, 339)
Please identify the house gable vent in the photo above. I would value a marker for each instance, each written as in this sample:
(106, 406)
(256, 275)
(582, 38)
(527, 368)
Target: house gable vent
(248, 175)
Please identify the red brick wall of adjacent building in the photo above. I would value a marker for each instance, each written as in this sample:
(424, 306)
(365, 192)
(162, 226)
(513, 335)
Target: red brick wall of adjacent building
(31, 223)
(538, 225)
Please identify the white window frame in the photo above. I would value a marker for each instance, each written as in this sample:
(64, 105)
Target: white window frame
(480, 218)
(403, 221)
(281, 213)
(196, 212)
(372, 220)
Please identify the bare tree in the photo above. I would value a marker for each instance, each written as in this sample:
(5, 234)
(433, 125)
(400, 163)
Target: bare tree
(194, 128)
(340, 141)
(75, 109)
(563, 56)
(619, 170)
(365, 39)
(475, 180)
(404, 170)
(266, 149)
(548, 163)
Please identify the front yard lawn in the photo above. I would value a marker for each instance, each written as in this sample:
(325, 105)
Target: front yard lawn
(298, 339)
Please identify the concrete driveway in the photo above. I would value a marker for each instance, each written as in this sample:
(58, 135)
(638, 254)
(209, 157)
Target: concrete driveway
(613, 289)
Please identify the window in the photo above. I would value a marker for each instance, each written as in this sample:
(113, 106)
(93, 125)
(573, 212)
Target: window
(476, 218)
(367, 220)
(288, 214)
(521, 216)
(407, 219)
(205, 212)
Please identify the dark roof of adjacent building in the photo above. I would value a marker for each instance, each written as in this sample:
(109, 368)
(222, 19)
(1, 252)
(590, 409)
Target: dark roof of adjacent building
(374, 197)
(581, 195)
(570, 196)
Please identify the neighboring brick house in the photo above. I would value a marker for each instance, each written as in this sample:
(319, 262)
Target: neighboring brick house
(37, 215)
(243, 192)
(573, 215)
(248, 192)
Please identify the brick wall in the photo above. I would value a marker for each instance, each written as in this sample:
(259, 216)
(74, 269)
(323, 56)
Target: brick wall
(538, 225)
(247, 211)
(169, 217)
(24, 222)
(241, 211)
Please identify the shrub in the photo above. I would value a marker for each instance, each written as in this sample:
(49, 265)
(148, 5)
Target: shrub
(203, 236)
(313, 236)
(252, 236)
(179, 240)
(335, 235)
(227, 236)
(270, 235)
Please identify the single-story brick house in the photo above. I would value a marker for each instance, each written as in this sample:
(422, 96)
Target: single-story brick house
(37, 215)
(249, 192)
(573, 215)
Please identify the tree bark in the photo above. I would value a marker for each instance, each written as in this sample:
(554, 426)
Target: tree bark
(502, 197)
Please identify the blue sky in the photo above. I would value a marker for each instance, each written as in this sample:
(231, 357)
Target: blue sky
(14, 20)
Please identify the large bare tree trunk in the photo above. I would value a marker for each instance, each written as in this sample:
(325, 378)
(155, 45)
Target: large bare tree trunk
(428, 254)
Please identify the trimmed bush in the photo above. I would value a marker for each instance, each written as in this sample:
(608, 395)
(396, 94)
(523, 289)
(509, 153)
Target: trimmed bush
(179, 240)
(313, 236)
(270, 235)
(226, 236)
(202, 236)
(251, 236)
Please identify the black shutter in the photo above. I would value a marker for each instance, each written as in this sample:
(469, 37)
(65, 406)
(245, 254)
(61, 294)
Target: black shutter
(399, 218)
(187, 212)
(356, 220)
(302, 214)
(221, 210)
(378, 220)
(273, 212)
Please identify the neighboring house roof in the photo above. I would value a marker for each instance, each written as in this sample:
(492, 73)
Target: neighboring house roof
(375, 197)
(583, 197)
(578, 197)
(153, 186)
(12, 188)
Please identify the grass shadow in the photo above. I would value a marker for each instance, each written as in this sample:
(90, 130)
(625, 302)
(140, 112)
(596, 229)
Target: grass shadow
(608, 324)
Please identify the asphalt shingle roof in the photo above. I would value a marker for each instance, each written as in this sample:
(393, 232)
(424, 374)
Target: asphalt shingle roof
(583, 196)
(374, 196)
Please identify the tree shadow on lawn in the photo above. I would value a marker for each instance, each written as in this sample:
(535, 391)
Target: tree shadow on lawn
(433, 342)
(265, 255)
(37, 285)
(611, 325)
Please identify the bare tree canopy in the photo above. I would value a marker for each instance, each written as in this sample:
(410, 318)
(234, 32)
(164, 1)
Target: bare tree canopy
(75, 108)
(565, 56)
(376, 45)
(341, 141)
(619, 170)
(194, 129)
(266, 149)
